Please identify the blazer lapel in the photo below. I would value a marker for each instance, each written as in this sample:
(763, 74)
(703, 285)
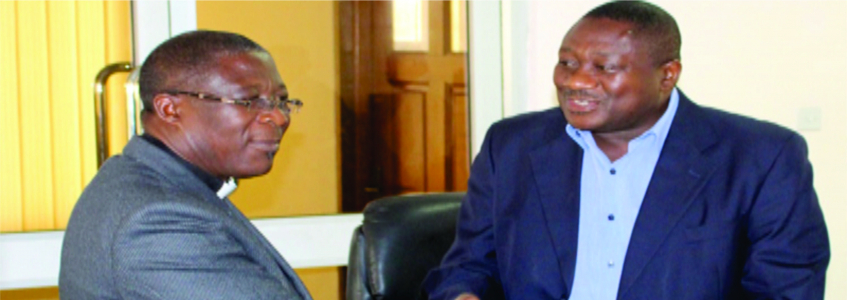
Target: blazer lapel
(556, 167)
(680, 174)
(289, 277)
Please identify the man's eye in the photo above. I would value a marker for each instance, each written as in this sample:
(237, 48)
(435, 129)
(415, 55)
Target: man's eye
(248, 102)
(608, 68)
(572, 64)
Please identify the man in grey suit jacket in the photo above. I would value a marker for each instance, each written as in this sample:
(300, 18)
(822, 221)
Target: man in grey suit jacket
(155, 223)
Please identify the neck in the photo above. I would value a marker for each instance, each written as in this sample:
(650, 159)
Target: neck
(613, 146)
(615, 143)
(179, 145)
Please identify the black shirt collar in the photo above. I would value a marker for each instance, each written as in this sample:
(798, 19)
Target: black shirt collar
(212, 182)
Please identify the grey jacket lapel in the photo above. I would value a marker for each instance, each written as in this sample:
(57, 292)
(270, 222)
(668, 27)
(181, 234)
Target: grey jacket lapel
(289, 278)
(680, 174)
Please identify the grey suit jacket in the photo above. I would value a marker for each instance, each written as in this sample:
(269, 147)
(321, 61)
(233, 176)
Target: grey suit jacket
(147, 228)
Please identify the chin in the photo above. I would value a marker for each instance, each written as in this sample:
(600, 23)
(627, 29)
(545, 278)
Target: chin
(580, 122)
(253, 171)
(262, 171)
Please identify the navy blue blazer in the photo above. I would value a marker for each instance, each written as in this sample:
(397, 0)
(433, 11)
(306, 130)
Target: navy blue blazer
(730, 213)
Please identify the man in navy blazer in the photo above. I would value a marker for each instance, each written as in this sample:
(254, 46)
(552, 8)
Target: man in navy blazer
(629, 190)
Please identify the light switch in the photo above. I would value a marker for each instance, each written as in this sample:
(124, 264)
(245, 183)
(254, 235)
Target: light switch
(809, 119)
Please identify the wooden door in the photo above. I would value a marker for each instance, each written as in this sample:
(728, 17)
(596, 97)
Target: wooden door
(404, 112)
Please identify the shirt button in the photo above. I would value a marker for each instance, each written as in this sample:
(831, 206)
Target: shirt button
(611, 264)
(612, 171)
(611, 217)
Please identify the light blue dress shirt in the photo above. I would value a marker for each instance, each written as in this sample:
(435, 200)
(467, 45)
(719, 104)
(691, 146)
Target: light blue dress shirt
(610, 198)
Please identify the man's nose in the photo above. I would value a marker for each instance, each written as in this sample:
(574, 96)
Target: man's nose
(275, 116)
(578, 79)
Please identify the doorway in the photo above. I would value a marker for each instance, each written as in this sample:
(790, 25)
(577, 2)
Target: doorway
(404, 108)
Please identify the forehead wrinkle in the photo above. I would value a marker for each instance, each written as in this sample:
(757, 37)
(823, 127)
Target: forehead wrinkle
(603, 49)
(245, 79)
(256, 89)
(623, 40)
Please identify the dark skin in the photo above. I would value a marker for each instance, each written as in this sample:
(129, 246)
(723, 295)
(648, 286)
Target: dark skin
(607, 82)
(225, 140)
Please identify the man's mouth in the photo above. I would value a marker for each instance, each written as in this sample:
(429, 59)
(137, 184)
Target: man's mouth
(579, 101)
(266, 145)
(577, 105)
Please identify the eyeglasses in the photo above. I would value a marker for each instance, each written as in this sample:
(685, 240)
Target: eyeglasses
(287, 106)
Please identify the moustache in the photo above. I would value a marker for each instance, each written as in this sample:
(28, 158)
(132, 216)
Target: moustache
(582, 94)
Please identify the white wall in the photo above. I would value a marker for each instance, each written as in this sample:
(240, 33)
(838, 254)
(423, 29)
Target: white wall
(485, 71)
(772, 60)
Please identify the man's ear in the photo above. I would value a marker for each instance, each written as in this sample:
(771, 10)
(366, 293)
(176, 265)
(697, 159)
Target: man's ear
(166, 107)
(670, 74)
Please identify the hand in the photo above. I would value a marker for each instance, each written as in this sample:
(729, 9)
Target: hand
(467, 296)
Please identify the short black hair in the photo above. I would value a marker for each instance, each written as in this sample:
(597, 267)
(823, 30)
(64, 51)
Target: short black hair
(653, 25)
(186, 59)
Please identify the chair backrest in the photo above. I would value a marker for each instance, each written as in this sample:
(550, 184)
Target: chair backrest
(399, 241)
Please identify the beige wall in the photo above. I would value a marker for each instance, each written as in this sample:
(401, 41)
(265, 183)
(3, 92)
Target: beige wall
(766, 59)
(305, 180)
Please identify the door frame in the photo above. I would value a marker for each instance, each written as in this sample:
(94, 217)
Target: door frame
(153, 22)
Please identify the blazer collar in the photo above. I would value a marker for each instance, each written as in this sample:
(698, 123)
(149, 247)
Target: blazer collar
(168, 166)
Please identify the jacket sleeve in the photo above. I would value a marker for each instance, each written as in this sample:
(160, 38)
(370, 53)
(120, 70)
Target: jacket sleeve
(789, 249)
(470, 265)
(176, 251)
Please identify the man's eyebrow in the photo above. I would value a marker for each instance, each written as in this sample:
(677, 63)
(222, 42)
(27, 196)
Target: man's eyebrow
(252, 91)
(599, 53)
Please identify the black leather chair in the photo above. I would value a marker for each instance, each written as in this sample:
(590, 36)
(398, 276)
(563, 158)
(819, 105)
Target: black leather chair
(400, 240)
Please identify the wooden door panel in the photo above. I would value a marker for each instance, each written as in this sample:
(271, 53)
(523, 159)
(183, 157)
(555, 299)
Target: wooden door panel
(408, 68)
(399, 146)
(410, 131)
(405, 68)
